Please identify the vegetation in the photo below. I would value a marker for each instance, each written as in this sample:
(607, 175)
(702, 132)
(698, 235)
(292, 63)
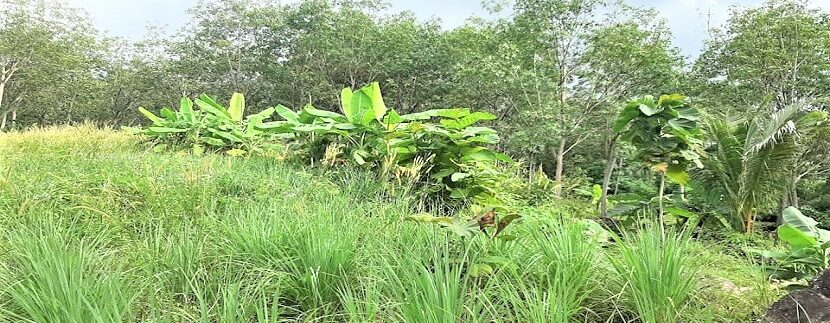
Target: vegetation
(555, 161)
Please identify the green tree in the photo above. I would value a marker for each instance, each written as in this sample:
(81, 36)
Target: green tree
(47, 59)
(775, 53)
(749, 162)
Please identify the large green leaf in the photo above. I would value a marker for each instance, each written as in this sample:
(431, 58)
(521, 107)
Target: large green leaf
(287, 114)
(793, 217)
(378, 106)
(155, 119)
(207, 104)
(346, 96)
(186, 109)
(629, 113)
(455, 113)
(796, 237)
(322, 113)
(168, 114)
(649, 110)
(262, 115)
(677, 174)
(237, 107)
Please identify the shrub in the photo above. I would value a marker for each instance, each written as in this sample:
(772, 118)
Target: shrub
(451, 148)
(808, 248)
(208, 125)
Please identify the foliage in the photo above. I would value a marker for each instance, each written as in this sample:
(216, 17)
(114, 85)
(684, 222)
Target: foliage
(453, 150)
(665, 132)
(749, 162)
(209, 125)
(807, 248)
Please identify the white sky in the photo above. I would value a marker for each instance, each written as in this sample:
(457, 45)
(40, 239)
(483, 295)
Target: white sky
(687, 18)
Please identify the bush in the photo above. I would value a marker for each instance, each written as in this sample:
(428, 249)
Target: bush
(208, 125)
(445, 149)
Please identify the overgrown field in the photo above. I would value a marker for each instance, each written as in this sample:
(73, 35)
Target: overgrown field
(96, 227)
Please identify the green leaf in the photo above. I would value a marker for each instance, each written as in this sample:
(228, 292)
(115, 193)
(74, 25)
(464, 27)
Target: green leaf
(323, 113)
(237, 107)
(287, 114)
(378, 106)
(346, 96)
(392, 117)
(649, 110)
(479, 270)
(358, 155)
(207, 104)
(463, 228)
(262, 115)
(167, 130)
(455, 113)
(186, 109)
(459, 176)
(688, 113)
(168, 114)
(677, 174)
(796, 237)
(596, 194)
(629, 113)
(155, 119)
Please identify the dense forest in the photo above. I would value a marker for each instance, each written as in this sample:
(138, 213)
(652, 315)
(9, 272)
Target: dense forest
(598, 116)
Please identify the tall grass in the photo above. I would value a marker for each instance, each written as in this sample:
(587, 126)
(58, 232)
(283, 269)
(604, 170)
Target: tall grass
(47, 277)
(428, 289)
(96, 228)
(558, 271)
(656, 272)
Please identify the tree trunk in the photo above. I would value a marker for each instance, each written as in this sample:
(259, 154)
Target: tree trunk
(14, 118)
(750, 219)
(560, 159)
(2, 90)
(606, 179)
(617, 179)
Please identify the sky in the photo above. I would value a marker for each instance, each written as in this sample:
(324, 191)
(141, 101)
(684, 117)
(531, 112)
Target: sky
(688, 19)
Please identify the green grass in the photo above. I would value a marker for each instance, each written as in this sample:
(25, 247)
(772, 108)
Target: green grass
(96, 227)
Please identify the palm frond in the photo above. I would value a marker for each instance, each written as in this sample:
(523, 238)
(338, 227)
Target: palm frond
(764, 131)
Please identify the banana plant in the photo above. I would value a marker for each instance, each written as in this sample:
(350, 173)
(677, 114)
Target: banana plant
(372, 134)
(203, 122)
(806, 252)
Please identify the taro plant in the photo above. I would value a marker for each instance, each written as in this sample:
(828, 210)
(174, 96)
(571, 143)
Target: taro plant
(666, 134)
(203, 124)
(369, 134)
(807, 250)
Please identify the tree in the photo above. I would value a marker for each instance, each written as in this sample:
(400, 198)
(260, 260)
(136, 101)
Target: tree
(622, 60)
(776, 53)
(47, 54)
(749, 162)
(666, 134)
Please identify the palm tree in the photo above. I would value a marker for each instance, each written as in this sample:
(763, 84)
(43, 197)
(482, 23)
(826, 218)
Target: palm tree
(749, 162)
